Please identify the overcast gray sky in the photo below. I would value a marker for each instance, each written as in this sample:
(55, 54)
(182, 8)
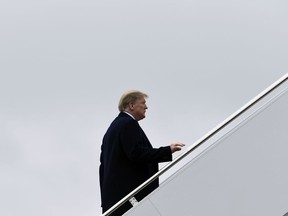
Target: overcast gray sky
(64, 65)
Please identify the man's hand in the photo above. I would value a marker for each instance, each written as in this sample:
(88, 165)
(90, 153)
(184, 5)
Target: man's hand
(176, 147)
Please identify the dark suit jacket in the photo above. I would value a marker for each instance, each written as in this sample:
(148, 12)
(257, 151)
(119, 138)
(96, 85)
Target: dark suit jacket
(127, 160)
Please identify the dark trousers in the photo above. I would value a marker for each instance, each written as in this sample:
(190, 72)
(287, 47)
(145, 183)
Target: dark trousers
(119, 211)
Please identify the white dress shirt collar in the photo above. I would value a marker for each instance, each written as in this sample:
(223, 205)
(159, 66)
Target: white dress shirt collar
(129, 115)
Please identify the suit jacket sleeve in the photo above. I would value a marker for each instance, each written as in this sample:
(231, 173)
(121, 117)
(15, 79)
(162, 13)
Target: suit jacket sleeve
(137, 147)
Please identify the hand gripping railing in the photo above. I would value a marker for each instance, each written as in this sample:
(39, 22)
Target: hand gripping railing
(198, 143)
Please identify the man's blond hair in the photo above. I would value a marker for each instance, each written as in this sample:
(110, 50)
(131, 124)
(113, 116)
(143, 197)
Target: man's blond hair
(129, 97)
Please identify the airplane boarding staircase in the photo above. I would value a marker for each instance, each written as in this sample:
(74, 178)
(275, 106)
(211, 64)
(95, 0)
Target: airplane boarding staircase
(240, 168)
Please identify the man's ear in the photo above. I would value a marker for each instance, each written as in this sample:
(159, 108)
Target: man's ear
(131, 106)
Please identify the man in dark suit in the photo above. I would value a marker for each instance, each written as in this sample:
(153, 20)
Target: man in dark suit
(127, 157)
